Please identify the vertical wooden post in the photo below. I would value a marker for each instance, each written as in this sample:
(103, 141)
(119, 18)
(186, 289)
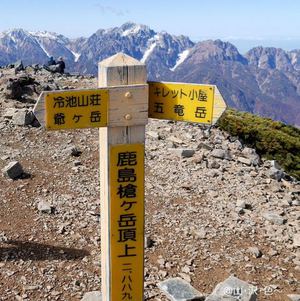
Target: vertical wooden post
(117, 70)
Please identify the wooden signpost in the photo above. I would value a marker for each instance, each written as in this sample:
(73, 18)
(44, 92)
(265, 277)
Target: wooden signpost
(120, 108)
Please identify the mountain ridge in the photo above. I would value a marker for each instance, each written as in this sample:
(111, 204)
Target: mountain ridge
(264, 81)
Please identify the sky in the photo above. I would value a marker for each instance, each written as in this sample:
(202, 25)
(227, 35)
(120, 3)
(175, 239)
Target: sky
(247, 22)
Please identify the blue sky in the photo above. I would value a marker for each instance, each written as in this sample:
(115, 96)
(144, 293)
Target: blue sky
(274, 21)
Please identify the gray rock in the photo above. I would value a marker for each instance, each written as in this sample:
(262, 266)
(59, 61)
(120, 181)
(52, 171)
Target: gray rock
(179, 290)
(294, 297)
(13, 170)
(183, 152)
(72, 151)
(276, 174)
(221, 154)
(274, 218)
(244, 160)
(296, 240)
(153, 134)
(254, 251)
(92, 296)
(233, 289)
(241, 204)
(44, 207)
(23, 117)
(205, 146)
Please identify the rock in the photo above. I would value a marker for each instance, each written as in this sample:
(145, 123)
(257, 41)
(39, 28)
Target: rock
(153, 134)
(233, 289)
(221, 154)
(13, 170)
(274, 218)
(254, 251)
(276, 174)
(179, 290)
(244, 160)
(296, 240)
(204, 146)
(294, 297)
(23, 117)
(241, 204)
(92, 296)
(19, 66)
(149, 243)
(9, 113)
(44, 207)
(183, 152)
(213, 165)
(72, 151)
(174, 140)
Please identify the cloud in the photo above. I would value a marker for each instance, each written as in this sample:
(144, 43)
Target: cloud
(107, 9)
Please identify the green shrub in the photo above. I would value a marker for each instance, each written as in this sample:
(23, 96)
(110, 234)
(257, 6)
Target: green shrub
(271, 139)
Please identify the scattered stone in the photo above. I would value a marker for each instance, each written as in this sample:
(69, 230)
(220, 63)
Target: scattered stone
(183, 152)
(205, 146)
(179, 290)
(153, 134)
(294, 297)
(254, 251)
(296, 240)
(13, 170)
(244, 160)
(221, 154)
(72, 151)
(23, 117)
(233, 289)
(44, 207)
(149, 243)
(274, 218)
(241, 204)
(92, 296)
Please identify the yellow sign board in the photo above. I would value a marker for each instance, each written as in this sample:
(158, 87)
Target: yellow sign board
(74, 109)
(182, 102)
(127, 222)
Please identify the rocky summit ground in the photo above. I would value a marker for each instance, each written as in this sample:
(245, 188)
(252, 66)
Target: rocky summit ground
(213, 207)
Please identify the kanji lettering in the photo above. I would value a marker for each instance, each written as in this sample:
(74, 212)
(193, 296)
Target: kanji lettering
(95, 99)
(126, 175)
(200, 112)
(179, 110)
(59, 118)
(127, 158)
(127, 234)
(158, 107)
(128, 191)
(59, 102)
(127, 220)
(95, 116)
(127, 251)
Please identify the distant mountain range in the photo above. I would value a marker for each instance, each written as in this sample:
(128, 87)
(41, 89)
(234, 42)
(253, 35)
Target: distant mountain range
(265, 81)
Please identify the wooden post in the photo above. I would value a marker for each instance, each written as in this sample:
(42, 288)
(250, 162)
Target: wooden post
(123, 282)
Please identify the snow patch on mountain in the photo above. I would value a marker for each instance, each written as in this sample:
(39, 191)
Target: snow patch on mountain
(151, 47)
(181, 58)
(43, 48)
(76, 56)
(133, 30)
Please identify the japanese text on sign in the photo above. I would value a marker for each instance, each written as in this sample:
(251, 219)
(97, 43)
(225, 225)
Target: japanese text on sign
(76, 109)
(184, 102)
(127, 221)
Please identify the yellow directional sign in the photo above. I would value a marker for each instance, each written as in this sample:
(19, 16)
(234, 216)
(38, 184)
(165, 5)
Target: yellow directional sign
(183, 102)
(127, 221)
(76, 109)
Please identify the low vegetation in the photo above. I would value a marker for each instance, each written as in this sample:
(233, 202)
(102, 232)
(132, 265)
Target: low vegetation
(273, 140)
